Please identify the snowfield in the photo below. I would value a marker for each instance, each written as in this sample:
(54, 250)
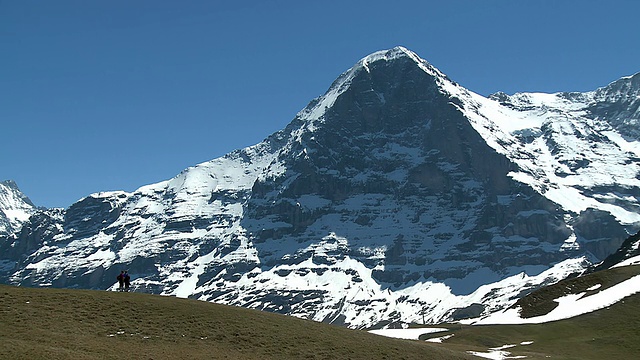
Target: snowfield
(568, 306)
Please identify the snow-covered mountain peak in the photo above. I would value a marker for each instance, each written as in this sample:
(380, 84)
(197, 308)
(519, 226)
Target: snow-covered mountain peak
(577, 143)
(623, 89)
(619, 105)
(374, 68)
(377, 79)
(389, 55)
(396, 192)
(400, 52)
(15, 207)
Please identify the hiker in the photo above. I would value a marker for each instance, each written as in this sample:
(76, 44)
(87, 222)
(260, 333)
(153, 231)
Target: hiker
(127, 281)
(121, 281)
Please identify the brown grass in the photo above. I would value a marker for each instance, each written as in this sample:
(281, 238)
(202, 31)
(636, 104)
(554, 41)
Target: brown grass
(609, 334)
(81, 324)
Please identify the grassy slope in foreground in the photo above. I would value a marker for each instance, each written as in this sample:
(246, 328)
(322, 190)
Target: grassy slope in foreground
(612, 333)
(82, 324)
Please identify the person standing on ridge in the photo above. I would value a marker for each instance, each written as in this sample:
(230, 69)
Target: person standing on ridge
(127, 281)
(121, 281)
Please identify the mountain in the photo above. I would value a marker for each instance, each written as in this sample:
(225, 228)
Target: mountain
(627, 254)
(398, 196)
(15, 207)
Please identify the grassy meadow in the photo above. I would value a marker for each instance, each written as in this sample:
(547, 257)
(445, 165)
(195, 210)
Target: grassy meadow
(83, 324)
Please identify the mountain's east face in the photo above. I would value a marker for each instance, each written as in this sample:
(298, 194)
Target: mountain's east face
(397, 196)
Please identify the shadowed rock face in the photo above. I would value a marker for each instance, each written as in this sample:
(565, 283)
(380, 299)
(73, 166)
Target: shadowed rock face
(619, 103)
(394, 137)
(380, 186)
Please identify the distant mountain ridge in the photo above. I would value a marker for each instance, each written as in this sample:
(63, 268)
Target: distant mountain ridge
(397, 196)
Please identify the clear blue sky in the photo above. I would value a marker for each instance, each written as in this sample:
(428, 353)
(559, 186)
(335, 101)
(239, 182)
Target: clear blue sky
(114, 95)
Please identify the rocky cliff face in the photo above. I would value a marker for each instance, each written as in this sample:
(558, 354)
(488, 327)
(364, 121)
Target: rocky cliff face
(619, 104)
(398, 193)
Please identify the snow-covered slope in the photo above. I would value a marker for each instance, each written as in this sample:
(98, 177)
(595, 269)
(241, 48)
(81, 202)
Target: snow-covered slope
(397, 196)
(563, 148)
(15, 208)
(570, 297)
(627, 254)
(569, 306)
